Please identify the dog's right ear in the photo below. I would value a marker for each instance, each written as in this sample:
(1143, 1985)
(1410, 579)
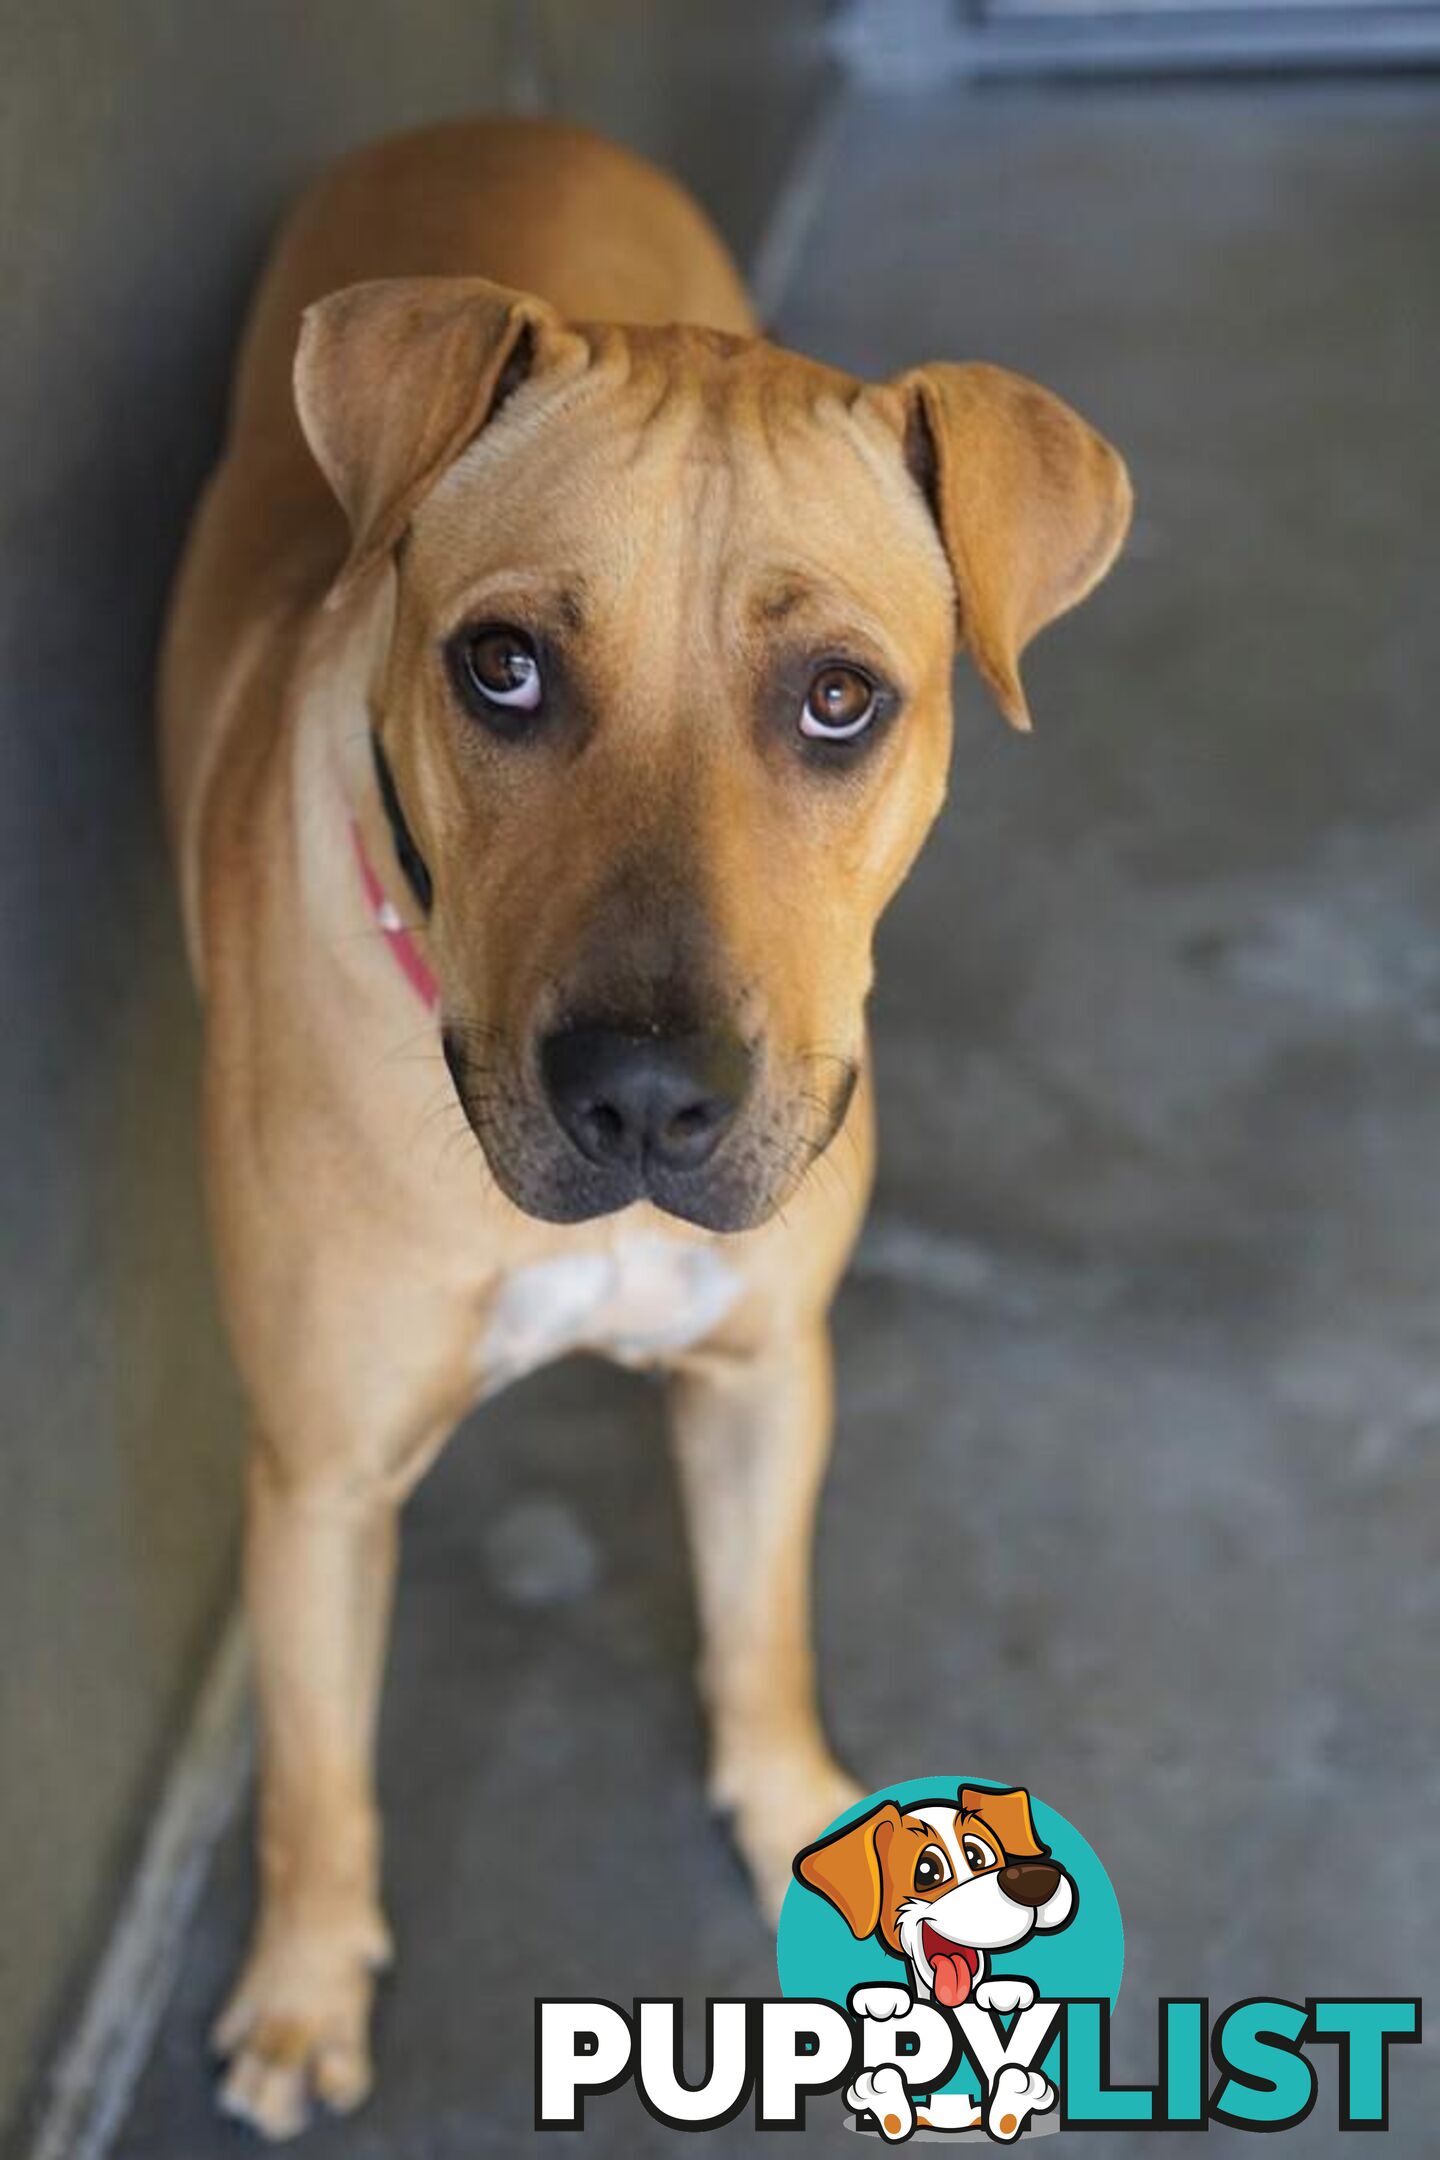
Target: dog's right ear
(847, 1866)
(1031, 504)
(394, 378)
(1008, 1815)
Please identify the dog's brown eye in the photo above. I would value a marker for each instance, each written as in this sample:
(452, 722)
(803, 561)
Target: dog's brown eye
(499, 666)
(978, 1855)
(840, 704)
(931, 1869)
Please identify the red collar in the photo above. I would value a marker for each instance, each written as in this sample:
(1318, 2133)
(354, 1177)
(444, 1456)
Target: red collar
(397, 936)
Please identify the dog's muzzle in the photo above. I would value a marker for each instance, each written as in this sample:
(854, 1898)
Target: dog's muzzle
(600, 1115)
(616, 1115)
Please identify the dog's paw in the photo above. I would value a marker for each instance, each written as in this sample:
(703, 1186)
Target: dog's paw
(879, 2001)
(297, 2029)
(882, 2093)
(1015, 2096)
(1005, 1994)
(778, 1805)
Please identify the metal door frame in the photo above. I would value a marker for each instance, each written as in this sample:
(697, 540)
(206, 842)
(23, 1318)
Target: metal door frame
(913, 42)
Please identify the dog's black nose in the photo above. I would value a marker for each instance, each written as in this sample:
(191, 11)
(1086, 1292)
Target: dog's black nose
(1030, 1882)
(633, 1100)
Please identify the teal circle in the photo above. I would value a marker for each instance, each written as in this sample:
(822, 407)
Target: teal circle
(818, 1956)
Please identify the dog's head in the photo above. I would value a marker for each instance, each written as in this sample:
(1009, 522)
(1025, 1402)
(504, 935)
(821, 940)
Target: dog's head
(662, 712)
(942, 1885)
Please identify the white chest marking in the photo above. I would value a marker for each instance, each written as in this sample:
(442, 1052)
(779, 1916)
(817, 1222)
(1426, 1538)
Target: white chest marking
(638, 1300)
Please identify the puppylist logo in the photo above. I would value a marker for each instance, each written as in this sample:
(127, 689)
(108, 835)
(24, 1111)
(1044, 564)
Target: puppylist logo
(950, 1952)
(949, 1886)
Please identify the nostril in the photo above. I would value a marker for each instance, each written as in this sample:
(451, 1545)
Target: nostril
(607, 1125)
(688, 1136)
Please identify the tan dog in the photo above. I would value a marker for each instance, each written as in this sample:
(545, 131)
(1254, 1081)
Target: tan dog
(575, 663)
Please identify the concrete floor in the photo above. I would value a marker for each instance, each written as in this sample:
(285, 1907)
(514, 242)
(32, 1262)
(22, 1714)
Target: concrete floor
(1145, 1332)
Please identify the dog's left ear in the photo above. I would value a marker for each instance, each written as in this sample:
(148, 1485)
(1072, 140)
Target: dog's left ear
(1008, 1814)
(395, 377)
(1031, 503)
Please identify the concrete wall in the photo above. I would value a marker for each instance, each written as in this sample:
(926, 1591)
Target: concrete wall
(144, 153)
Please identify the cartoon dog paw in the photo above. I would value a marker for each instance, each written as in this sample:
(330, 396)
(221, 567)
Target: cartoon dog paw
(1004, 1995)
(882, 2093)
(880, 2001)
(1015, 2096)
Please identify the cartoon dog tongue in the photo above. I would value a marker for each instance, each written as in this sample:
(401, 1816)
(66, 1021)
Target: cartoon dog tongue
(952, 1978)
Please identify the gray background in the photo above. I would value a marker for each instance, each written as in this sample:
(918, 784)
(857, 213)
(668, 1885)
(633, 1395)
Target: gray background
(1135, 1489)
(145, 152)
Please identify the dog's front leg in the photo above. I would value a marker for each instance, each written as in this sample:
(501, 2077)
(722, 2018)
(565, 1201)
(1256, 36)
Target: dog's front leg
(319, 1570)
(752, 1436)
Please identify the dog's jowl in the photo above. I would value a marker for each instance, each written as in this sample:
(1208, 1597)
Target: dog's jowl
(555, 692)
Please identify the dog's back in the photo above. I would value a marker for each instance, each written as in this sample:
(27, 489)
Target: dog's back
(548, 209)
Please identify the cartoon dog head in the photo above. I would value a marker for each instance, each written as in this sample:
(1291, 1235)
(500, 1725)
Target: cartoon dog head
(942, 1885)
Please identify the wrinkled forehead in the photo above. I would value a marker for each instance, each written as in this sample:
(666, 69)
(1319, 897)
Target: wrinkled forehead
(678, 468)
